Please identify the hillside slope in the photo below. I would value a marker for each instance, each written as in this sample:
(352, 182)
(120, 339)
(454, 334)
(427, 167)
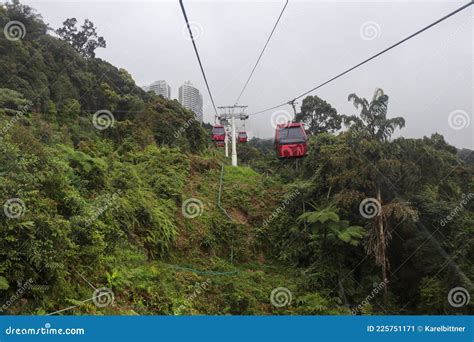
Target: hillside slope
(111, 204)
(127, 204)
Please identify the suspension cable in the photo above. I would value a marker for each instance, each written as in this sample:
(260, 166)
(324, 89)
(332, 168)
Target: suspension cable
(197, 54)
(370, 58)
(261, 53)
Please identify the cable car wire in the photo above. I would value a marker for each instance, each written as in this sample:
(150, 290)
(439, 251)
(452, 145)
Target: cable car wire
(197, 54)
(369, 59)
(261, 53)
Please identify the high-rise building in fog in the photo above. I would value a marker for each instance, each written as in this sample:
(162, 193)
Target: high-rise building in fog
(191, 98)
(161, 88)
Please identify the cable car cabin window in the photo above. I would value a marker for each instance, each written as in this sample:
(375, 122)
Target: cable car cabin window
(218, 130)
(291, 135)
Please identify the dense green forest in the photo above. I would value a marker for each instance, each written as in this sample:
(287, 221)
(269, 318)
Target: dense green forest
(111, 204)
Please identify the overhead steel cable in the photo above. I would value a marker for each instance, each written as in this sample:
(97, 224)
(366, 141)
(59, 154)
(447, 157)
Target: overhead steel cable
(197, 54)
(261, 53)
(369, 59)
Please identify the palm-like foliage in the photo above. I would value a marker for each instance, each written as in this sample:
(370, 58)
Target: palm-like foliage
(375, 129)
(377, 240)
(373, 117)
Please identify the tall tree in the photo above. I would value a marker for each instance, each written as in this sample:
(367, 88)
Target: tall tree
(319, 116)
(85, 41)
(373, 116)
(373, 131)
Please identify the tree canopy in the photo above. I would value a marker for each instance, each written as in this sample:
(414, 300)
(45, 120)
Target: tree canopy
(84, 41)
(319, 116)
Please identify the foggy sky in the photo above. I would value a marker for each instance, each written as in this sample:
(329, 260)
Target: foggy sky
(427, 78)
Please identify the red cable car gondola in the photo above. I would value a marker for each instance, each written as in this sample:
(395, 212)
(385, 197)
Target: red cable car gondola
(218, 133)
(242, 137)
(290, 140)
